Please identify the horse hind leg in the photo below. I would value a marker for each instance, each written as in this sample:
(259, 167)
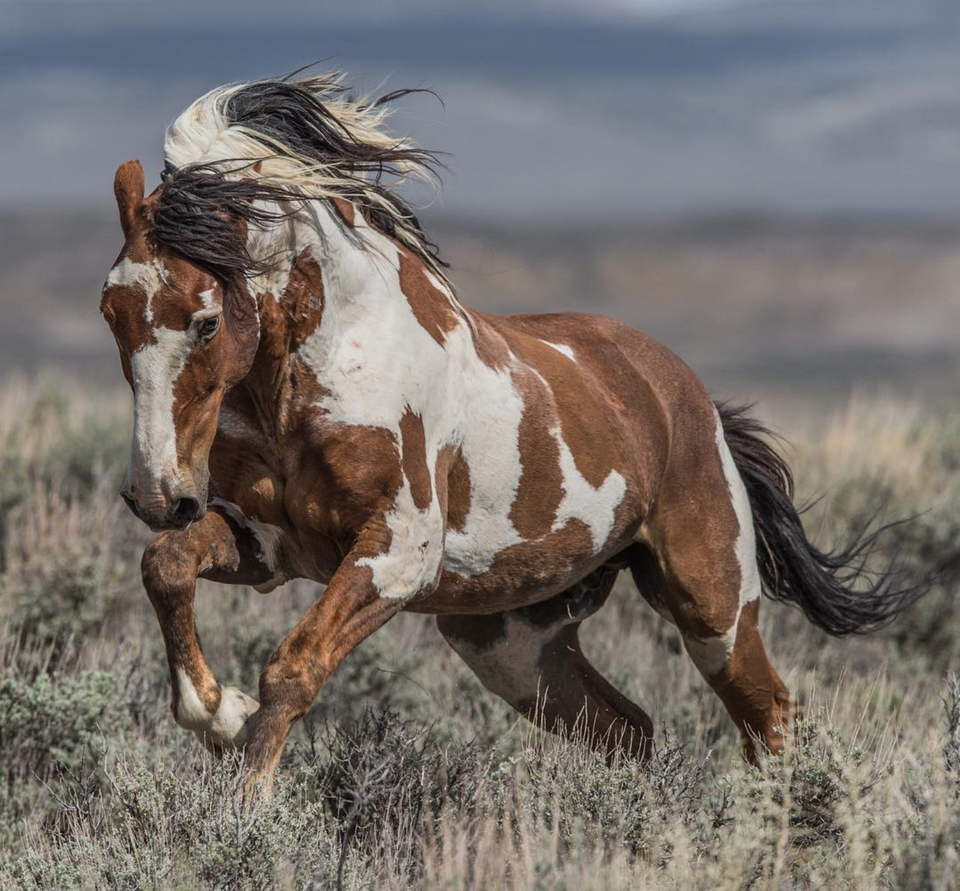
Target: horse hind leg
(710, 583)
(532, 658)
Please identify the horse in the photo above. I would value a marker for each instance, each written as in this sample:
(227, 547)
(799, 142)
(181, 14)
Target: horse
(312, 400)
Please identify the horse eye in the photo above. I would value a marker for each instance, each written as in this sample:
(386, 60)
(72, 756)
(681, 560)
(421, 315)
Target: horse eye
(209, 327)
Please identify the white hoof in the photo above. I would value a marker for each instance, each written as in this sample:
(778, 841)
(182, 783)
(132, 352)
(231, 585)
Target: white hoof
(231, 725)
(229, 728)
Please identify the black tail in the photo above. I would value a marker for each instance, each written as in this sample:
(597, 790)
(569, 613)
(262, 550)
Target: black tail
(834, 589)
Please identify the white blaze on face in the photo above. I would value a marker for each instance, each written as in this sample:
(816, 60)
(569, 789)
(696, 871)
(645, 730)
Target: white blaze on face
(712, 654)
(155, 368)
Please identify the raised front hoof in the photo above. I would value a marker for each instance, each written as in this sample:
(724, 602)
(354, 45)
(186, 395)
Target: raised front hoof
(233, 723)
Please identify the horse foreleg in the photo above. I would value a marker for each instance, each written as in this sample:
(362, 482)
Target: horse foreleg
(219, 548)
(355, 604)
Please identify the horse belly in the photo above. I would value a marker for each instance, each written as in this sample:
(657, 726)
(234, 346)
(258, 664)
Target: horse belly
(520, 574)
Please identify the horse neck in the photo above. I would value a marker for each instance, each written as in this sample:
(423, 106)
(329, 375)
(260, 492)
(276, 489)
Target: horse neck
(333, 270)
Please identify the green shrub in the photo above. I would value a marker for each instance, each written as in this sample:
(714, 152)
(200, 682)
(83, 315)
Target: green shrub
(53, 599)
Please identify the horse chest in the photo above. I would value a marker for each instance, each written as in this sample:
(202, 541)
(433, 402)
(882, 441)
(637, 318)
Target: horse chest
(341, 476)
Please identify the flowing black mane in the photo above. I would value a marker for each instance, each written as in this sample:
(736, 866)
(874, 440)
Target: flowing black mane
(288, 141)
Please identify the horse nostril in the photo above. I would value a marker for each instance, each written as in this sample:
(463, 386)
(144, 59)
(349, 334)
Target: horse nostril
(185, 511)
(130, 503)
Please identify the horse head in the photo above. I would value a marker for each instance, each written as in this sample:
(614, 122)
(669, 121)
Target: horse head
(186, 334)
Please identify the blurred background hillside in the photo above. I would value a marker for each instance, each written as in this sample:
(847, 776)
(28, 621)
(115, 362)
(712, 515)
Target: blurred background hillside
(772, 188)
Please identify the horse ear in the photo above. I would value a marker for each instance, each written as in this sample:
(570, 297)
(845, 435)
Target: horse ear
(128, 186)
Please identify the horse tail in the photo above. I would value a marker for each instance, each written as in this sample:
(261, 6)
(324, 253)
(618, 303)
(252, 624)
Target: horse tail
(835, 589)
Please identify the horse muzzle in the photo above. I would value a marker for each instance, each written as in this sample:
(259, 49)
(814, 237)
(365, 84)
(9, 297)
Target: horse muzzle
(177, 512)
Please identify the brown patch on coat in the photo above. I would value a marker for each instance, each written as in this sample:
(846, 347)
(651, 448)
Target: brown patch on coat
(303, 299)
(458, 492)
(520, 575)
(414, 458)
(489, 343)
(694, 530)
(306, 395)
(583, 408)
(351, 480)
(540, 490)
(429, 304)
(346, 211)
(284, 388)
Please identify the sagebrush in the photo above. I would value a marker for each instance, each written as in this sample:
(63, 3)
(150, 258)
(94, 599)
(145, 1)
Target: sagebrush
(407, 774)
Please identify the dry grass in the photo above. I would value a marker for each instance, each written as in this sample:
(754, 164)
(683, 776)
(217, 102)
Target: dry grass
(438, 785)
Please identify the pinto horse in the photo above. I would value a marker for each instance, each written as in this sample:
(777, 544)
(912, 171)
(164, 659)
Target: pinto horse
(312, 401)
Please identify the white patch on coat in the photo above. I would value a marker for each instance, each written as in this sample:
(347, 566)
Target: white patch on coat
(229, 727)
(268, 536)
(563, 349)
(581, 501)
(510, 667)
(416, 548)
(372, 381)
(711, 655)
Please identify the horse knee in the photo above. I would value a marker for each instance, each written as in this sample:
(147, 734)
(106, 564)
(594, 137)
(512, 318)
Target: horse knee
(166, 569)
(286, 689)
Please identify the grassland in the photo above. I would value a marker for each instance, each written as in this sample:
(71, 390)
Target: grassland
(407, 773)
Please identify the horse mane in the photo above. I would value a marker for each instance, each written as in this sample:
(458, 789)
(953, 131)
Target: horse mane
(284, 142)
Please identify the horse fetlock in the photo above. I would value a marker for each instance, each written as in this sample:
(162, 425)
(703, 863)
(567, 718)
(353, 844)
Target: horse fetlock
(225, 724)
(234, 720)
(231, 725)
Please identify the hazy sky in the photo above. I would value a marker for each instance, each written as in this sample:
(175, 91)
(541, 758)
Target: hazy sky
(554, 108)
